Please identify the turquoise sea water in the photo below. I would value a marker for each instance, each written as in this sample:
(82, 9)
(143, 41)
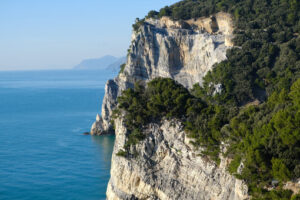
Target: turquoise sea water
(43, 154)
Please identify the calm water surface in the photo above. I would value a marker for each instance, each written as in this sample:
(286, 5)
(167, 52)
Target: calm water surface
(43, 154)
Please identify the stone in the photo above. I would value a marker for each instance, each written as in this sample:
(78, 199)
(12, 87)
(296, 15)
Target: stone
(167, 48)
(97, 127)
(98, 118)
(218, 89)
(167, 168)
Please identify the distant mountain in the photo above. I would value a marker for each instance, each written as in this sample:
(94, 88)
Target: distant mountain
(105, 62)
(116, 65)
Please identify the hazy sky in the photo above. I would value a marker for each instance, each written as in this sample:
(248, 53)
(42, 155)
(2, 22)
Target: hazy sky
(57, 34)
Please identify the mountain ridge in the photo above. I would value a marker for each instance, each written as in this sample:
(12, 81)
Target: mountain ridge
(107, 62)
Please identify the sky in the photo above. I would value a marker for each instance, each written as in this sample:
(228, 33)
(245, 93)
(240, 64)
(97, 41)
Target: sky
(58, 34)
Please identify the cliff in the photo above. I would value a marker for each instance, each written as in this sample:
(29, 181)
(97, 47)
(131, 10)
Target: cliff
(166, 166)
(182, 50)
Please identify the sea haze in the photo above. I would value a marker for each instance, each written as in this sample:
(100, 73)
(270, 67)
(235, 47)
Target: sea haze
(43, 154)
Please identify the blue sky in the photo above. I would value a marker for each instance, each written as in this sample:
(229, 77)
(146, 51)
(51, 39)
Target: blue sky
(58, 34)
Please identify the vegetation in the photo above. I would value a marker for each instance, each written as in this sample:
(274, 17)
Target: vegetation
(267, 32)
(161, 98)
(264, 67)
(267, 138)
(164, 98)
(138, 23)
(122, 67)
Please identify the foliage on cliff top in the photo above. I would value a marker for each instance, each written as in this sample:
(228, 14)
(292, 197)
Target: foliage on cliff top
(267, 32)
(165, 98)
(266, 139)
(122, 67)
(162, 97)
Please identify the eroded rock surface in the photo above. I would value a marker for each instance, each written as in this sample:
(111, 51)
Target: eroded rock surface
(167, 167)
(182, 50)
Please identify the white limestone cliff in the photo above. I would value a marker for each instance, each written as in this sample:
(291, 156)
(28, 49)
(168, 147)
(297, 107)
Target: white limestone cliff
(182, 50)
(167, 167)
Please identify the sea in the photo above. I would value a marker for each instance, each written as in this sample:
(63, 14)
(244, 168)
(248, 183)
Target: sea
(43, 152)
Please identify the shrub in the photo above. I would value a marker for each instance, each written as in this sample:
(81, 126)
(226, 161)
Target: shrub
(122, 153)
(122, 67)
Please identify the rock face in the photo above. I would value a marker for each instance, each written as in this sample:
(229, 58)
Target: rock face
(167, 167)
(97, 127)
(182, 50)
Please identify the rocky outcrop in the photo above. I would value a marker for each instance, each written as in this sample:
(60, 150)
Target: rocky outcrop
(97, 127)
(182, 50)
(166, 166)
(293, 186)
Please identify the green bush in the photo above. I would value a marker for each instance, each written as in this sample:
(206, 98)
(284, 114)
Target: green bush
(152, 14)
(122, 153)
(138, 24)
(267, 137)
(122, 67)
(161, 98)
(296, 197)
